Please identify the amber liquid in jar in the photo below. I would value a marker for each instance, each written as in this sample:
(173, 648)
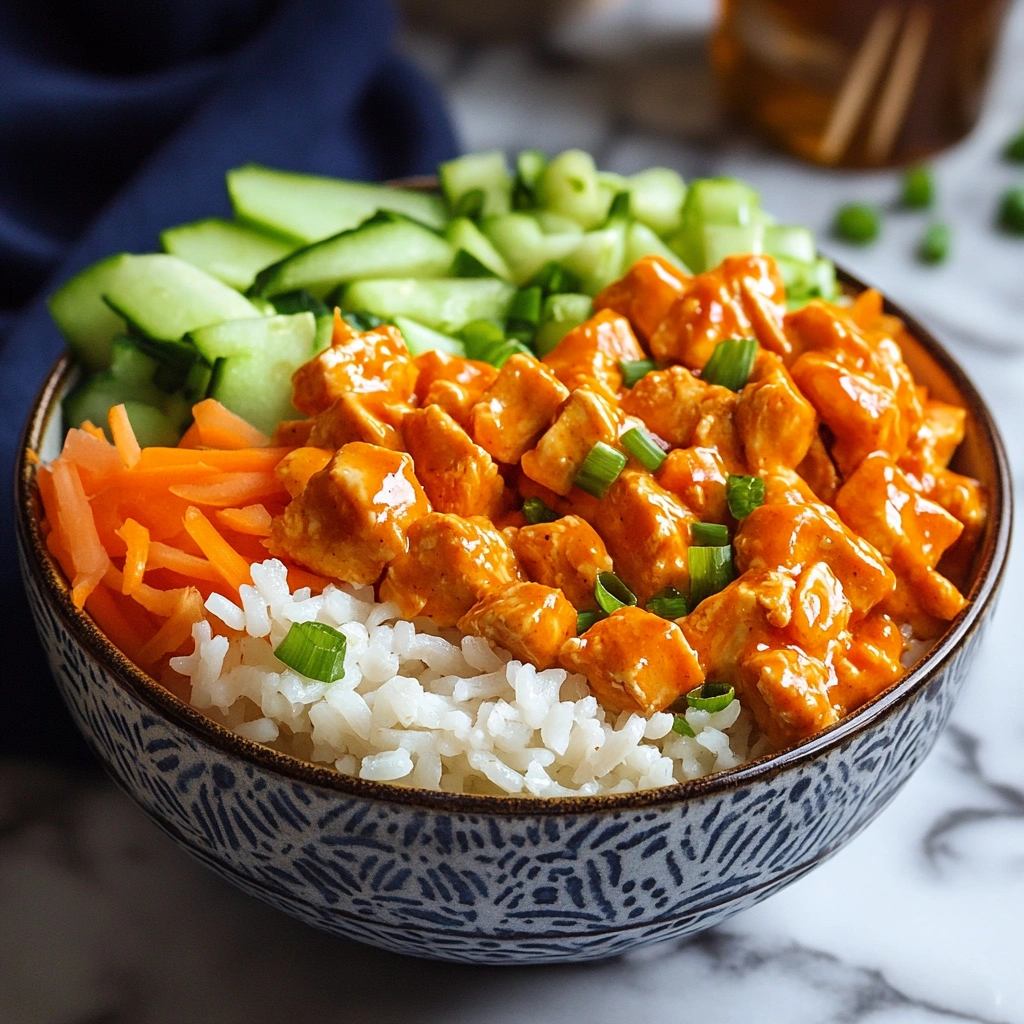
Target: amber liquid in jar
(857, 83)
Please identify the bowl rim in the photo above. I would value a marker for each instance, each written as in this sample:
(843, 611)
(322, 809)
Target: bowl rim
(990, 561)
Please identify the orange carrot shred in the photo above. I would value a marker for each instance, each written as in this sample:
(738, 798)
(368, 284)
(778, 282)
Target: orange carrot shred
(165, 556)
(123, 434)
(90, 428)
(230, 489)
(191, 438)
(254, 520)
(176, 630)
(220, 428)
(239, 460)
(102, 606)
(75, 516)
(228, 562)
(136, 537)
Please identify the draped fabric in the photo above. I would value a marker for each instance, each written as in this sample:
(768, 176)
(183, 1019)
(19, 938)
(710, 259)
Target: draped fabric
(119, 118)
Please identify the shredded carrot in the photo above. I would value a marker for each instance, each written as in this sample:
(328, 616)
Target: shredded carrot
(254, 520)
(164, 556)
(136, 537)
(90, 428)
(74, 514)
(123, 435)
(191, 438)
(240, 460)
(175, 631)
(228, 562)
(102, 606)
(231, 489)
(97, 459)
(220, 428)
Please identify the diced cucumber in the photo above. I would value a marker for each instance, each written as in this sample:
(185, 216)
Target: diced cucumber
(719, 201)
(825, 273)
(477, 184)
(599, 257)
(164, 297)
(524, 246)
(422, 339)
(387, 245)
(86, 321)
(229, 251)
(307, 208)
(132, 367)
(656, 199)
(562, 312)
(721, 240)
(642, 241)
(324, 333)
(462, 233)
(799, 277)
(530, 165)
(255, 360)
(797, 243)
(569, 185)
(466, 264)
(556, 224)
(446, 305)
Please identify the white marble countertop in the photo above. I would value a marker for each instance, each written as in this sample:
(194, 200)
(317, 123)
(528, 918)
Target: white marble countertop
(920, 919)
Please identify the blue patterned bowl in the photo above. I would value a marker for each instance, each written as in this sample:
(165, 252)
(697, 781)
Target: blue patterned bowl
(492, 879)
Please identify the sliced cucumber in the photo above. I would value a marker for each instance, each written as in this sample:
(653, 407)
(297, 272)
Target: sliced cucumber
(229, 251)
(86, 321)
(797, 243)
(164, 297)
(569, 185)
(656, 199)
(307, 208)
(462, 233)
(720, 201)
(255, 360)
(445, 305)
(477, 184)
(524, 246)
(561, 314)
(599, 258)
(387, 245)
(299, 302)
(642, 241)
(422, 339)
(556, 224)
(324, 333)
(721, 240)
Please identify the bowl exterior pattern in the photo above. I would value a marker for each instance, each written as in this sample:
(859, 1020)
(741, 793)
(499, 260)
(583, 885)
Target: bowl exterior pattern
(492, 888)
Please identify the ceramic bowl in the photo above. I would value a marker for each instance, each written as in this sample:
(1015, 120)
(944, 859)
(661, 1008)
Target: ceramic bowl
(507, 879)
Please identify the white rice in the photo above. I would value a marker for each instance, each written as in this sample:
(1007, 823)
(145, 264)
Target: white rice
(421, 706)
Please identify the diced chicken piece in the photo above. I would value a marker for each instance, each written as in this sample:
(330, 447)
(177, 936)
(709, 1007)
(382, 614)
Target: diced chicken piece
(867, 662)
(646, 293)
(864, 416)
(453, 383)
(372, 418)
(963, 498)
(793, 536)
(940, 432)
(634, 661)
(669, 403)
(292, 433)
(819, 471)
(646, 530)
(879, 502)
(819, 327)
(821, 612)
(589, 354)
(529, 620)
(295, 469)
(457, 474)
(698, 478)
(566, 554)
(517, 408)
(743, 297)
(370, 361)
(925, 600)
(352, 517)
(582, 421)
(449, 565)
(743, 636)
(716, 428)
(786, 487)
(775, 423)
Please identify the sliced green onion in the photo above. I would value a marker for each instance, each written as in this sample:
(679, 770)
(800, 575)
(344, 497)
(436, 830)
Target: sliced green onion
(470, 204)
(668, 604)
(934, 244)
(712, 535)
(744, 494)
(710, 571)
(466, 264)
(552, 279)
(600, 469)
(314, 650)
(730, 363)
(535, 511)
(634, 369)
(711, 697)
(639, 443)
(584, 620)
(1015, 148)
(858, 223)
(918, 188)
(1011, 211)
(681, 726)
(611, 593)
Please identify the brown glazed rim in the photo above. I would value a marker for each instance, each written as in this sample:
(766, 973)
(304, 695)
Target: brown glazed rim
(990, 563)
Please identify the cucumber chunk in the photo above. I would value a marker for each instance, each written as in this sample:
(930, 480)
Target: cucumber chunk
(569, 185)
(422, 339)
(255, 360)
(477, 184)
(86, 321)
(562, 312)
(307, 208)
(445, 305)
(164, 297)
(324, 333)
(229, 251)
(721, 240)
(524, 246)
(642, 241)
(530, 165)
(462, 233)
(599, 258)
(788, 240)
(656, 199)
(387, 245)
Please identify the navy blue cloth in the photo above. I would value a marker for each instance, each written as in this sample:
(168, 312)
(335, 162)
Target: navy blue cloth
(119, 118)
